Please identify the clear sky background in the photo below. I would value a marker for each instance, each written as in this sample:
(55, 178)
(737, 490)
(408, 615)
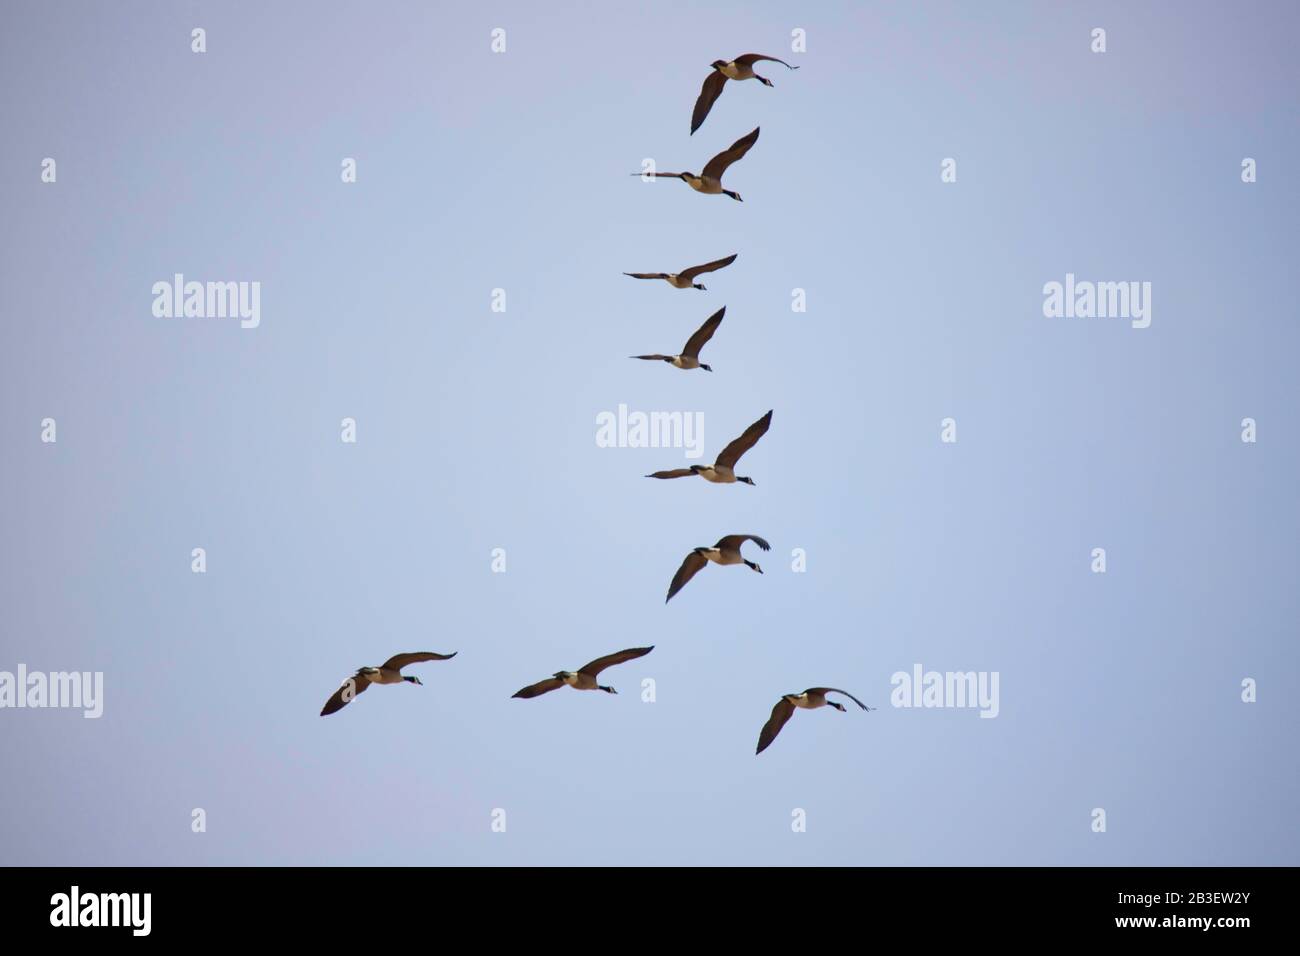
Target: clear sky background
(476, 430)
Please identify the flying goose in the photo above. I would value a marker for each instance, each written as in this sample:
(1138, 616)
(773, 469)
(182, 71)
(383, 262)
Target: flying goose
(686, 278)
(741, 68)
(585, 677)
(690, 357)
(723, 471)
(389, 672)
(710, 181)
(726, 551)
(810, 699)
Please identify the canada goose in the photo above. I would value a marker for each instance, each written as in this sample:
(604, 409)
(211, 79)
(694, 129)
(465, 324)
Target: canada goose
(389, 672)
(810, 699)
(710, 181)
(686, 278)
(741, 68)
(690, 357)
(723, 471)
(584, 678)
(726, 551)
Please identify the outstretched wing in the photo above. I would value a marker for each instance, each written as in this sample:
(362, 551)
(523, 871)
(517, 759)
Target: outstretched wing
(780, 714)
(675, 473)
(714, 266)
(731, 454)
(704, 333)
(718, 164)
(690, 567)
(836, 690)
(749, 59)
(736, 540)
(541, 687)
(652, 358)
(398, 661)
(647, 275)
(709, 92)
(344, 695)
(609, 660)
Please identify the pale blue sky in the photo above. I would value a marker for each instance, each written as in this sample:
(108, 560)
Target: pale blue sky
(476, 431)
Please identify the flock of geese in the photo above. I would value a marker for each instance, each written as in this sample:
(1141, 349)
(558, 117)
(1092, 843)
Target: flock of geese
(723, 471)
